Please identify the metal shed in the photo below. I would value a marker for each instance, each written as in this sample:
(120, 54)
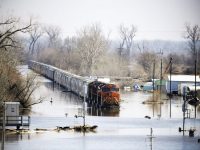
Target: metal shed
(12, 116)
(177, 80)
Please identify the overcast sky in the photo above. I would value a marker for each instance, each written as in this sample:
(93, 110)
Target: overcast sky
(154, 19)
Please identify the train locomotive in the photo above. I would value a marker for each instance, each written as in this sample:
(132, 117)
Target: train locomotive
(98, 93)
(107, 95)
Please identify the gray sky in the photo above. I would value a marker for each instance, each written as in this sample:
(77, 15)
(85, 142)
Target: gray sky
(154, 19)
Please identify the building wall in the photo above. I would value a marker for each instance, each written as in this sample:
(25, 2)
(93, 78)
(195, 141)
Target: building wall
(175, 86)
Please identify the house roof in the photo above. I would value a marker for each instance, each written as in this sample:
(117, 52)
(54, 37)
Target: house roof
(185, 78)
(12, 103)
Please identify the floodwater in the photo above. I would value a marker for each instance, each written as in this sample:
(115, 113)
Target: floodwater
(118, 129)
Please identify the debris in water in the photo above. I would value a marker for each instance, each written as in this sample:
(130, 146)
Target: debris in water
(85, 128)
(148, 117)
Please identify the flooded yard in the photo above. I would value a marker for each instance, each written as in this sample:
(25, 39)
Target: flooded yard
(118, 129)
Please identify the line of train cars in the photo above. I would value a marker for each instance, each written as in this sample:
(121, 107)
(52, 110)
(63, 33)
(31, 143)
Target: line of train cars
(98, 93)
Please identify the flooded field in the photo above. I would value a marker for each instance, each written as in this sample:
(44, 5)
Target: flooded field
(60, 102)
(118, 129)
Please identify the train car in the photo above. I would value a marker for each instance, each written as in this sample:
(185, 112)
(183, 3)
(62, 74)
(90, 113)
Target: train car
(71, 82)
(104, 94)
(100, 93)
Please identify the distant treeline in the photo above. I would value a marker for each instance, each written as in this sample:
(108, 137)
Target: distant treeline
(89, 53)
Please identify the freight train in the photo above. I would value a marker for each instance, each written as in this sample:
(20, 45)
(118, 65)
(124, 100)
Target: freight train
(98, 93)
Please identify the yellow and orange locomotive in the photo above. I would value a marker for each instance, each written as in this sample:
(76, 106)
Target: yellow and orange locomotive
(104, 94)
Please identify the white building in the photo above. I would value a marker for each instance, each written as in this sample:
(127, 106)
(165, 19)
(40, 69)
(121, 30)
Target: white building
(12, 112)
(178, 80)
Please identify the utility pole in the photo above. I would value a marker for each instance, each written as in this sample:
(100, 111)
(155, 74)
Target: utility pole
(83, 110)
(161, 53)
(170, 114)
(195, 91)
(120, 52)
(84, 103)
(153, 78)
(184, 109)
(153, 84)
(3, 127)
(161, 85)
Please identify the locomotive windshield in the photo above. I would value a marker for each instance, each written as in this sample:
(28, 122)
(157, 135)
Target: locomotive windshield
(115, 89)
(107, 89)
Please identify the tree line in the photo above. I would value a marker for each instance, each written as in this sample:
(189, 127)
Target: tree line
(89, 53)
(92, 53)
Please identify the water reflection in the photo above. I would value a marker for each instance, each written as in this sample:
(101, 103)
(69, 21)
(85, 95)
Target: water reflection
(92, 111)
(56, 102)
(155, 109)
(12, 137)
(59, 102)
(65, 102)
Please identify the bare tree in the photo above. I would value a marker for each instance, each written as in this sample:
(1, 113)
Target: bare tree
(35, 34)
(127, 34)
(92, 45)
(69, 58)
(146, 58)
(8, 30)
(24, 91)
(193, 35)
(12, 86)
(53, 33)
